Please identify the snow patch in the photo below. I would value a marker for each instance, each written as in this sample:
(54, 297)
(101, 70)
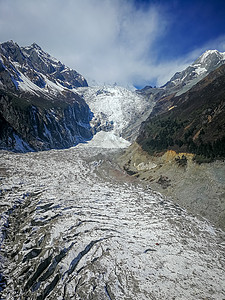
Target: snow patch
(200, 70)
(145, 166)
(53, 88)
(28, 86)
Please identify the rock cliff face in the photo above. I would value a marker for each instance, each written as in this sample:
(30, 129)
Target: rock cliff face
(39, 106)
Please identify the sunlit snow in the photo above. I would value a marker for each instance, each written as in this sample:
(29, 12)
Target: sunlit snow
(204, 56)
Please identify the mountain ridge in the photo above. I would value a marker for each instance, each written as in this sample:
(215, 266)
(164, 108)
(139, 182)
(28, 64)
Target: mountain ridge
(31, 77)
(40, 109)
(182, 81)
(32, 64)
(203, 65)
(194, 121)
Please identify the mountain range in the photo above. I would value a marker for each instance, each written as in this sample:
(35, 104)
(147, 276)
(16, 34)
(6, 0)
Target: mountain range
(45, 104)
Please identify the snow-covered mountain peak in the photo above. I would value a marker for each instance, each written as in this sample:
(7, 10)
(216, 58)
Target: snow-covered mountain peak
(33, 46)
(210, 59)
(11, 51)
(36, 46)
(39, 110)
(209, 55)
(34, 51)
(202, 66)
(9, 43)
(30, 69)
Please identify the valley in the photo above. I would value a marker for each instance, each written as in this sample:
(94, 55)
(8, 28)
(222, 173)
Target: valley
(105, 192)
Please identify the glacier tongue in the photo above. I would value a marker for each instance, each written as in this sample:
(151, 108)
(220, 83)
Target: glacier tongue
(103, 139)
(74, 226)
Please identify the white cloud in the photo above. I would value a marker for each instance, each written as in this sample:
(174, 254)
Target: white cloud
(102, 39)
(107, 40)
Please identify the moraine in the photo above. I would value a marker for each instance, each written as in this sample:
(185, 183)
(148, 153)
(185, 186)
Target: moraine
(74, 226)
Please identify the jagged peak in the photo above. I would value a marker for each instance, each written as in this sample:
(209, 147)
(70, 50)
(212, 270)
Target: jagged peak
(10, 43)
(11, 50)
(40, 52)
(209, 53)
(36, 46)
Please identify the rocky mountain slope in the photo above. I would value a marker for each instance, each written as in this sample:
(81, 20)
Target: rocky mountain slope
(39, 108)
(182, 81)
(32, 69)
(194, 122)
(199, 188)
(201, 67)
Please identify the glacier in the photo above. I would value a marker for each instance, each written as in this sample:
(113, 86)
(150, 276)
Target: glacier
(116, 109)
(76, 226)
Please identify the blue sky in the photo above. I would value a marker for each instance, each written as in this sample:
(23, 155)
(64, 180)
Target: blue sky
(192, 24)
(131, 42)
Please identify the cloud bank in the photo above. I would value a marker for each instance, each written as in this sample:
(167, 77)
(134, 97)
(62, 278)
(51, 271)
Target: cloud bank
(108, 41)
